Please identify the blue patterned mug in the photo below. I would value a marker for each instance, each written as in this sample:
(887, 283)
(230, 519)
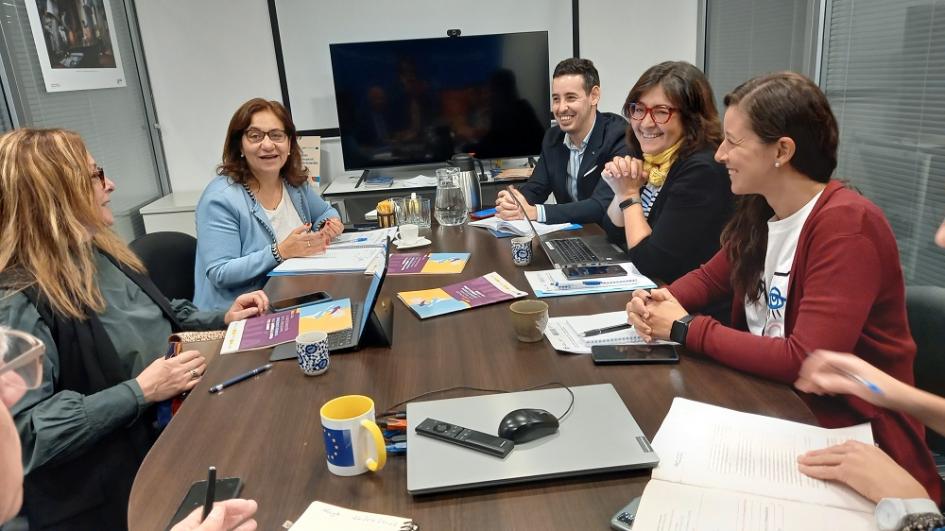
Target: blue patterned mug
(312, 351)
(522, 250)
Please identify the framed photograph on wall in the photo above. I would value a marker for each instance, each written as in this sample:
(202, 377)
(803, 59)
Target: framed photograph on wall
(76, 44)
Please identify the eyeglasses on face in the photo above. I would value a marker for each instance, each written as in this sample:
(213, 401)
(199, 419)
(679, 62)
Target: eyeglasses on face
(21, 360)
(99, 174)
(660, 113)
(256, 136)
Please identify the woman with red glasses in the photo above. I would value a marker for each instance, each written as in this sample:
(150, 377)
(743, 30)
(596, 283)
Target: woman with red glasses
(807, 263)
(671, 198)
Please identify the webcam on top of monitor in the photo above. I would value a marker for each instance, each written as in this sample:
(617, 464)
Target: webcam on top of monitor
(454, 32)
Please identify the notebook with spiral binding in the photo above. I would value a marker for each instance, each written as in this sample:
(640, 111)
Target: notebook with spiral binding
(322, 516)
(566, 334)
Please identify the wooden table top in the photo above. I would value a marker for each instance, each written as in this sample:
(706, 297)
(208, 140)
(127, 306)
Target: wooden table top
(267, 430)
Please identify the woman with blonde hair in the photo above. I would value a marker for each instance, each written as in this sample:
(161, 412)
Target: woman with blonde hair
(68, 280)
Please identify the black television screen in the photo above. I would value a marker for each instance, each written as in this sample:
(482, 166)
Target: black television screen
(422, 100)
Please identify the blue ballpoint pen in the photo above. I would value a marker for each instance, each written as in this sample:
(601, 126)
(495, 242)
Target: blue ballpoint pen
(237, 379)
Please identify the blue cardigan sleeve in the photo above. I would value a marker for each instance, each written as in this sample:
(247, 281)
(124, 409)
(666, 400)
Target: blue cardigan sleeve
(220, 244)
(318, 207)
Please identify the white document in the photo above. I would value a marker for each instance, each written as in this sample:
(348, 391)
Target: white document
(739, 471)
(518, 226)
(322, 516)
(566, 334)
(334, 260)
(371, 238)
(553, 283)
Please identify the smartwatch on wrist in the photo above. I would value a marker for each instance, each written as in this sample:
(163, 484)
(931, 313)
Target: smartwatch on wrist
(627, 203)
(680, 329)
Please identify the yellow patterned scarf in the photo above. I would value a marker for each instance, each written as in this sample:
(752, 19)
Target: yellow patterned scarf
(657, 166)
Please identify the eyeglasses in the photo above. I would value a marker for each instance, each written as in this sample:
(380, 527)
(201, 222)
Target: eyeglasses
(21, 362)
(256, 136)
(660, 113)
(99, 174)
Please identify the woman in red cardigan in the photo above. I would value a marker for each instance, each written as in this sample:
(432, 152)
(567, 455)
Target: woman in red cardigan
(808, 263)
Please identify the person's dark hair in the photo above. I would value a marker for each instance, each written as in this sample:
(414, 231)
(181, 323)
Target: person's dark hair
(778, 105)
(234, 165)
(690, 93)
(575, 66)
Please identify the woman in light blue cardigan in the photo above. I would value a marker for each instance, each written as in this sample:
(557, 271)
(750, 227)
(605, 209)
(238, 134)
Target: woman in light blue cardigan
(259, 210)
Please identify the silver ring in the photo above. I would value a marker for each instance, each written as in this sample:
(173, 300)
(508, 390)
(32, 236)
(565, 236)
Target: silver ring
(193, 374)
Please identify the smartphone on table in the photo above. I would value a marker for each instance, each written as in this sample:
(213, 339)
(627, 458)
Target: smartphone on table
(614, 354)
(588, 272)
(226, 489)
(301, 300)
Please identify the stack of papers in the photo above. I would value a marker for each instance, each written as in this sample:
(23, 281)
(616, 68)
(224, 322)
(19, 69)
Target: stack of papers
(326, 517)
(566, 334)
(553, 283)
(722, 469)
(370, 238)
(519, 227)
(332, 261)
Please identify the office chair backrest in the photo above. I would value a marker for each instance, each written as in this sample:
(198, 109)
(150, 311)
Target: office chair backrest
(926, 308)
(169, 257)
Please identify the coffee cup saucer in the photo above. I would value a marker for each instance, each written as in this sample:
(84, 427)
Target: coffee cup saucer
(419, 242)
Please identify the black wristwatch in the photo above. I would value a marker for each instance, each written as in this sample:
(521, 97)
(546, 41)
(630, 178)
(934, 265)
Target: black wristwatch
(627, 203)
(680, 329)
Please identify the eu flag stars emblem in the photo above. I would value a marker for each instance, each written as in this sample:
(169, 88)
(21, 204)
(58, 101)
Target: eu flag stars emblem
(338, 447)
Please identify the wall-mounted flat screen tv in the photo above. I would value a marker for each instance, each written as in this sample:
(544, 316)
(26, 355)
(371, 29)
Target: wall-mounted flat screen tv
(420, 101)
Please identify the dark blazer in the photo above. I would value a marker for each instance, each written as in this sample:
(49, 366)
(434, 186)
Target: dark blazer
(687, 218)
(551, 172)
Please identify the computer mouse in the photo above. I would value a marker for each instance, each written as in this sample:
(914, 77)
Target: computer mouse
(523, 425)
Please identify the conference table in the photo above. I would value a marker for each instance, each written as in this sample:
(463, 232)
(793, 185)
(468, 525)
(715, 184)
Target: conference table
(267, 430)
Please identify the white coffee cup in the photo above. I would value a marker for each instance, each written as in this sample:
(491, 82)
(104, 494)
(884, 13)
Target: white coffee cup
(408, 233)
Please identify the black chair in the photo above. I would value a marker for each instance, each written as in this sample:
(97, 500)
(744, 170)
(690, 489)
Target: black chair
(926, 308)
(169, 257)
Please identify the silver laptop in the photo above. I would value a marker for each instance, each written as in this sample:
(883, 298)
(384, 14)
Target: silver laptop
(598, 435)
(576, 251)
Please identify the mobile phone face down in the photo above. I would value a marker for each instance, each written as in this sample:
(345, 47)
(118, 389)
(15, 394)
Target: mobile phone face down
(302, 300)
(612, 354)
(226, 489)
(586, 272)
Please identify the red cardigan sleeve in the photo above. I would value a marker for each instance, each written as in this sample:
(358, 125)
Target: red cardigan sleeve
(703, 286)
(840, 280)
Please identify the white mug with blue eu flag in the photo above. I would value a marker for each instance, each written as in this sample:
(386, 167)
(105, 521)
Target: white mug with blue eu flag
(312, 351)
(353, 442)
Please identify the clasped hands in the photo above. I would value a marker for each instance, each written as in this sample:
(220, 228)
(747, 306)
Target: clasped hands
(625, 177)
(652, 313)
(506, 207)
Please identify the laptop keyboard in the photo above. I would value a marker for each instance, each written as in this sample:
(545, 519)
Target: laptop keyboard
(574, 250)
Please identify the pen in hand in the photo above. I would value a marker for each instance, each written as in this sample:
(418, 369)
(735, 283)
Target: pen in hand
(237, 379)
(211, 492)
(859, 379)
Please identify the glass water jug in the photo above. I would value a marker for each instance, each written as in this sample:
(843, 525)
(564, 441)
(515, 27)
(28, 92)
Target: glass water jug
(450, 208)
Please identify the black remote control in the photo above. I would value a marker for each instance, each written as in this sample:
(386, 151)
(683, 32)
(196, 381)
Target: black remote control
(474, 440)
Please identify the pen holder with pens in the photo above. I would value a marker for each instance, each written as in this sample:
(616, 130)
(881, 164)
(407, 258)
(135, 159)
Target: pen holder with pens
(386, 216)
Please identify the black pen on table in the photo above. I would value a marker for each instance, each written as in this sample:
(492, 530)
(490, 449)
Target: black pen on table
(237, 379)
(211, 492)
(607, 329)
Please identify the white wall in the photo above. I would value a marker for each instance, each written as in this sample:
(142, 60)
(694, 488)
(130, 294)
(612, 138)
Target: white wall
(625, 37)
(205, 58)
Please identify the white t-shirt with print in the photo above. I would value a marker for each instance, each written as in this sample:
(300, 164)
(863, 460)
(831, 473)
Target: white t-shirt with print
(766, 316)
(284, 218)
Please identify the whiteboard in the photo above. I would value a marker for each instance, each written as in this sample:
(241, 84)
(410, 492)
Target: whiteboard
(306, 28)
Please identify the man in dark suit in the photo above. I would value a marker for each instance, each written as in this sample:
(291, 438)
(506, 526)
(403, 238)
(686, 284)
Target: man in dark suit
(572, 154)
